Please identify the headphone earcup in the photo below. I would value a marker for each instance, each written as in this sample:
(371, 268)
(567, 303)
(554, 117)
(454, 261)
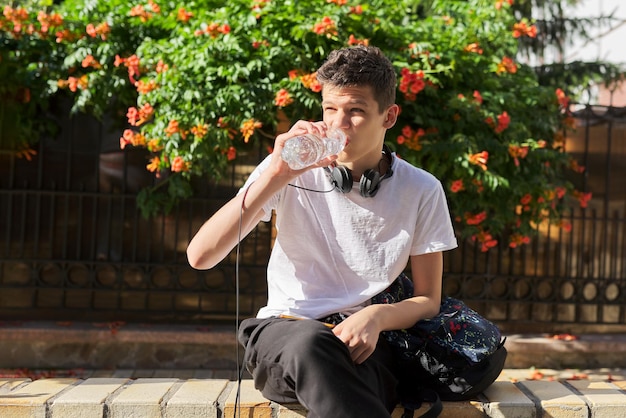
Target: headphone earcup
(370, 180)
(342, 178)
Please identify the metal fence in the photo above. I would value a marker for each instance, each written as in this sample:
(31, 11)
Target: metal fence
(73, 245)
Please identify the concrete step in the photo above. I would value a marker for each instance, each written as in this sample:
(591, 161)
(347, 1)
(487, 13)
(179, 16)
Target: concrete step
(517, 393)
(66, 345)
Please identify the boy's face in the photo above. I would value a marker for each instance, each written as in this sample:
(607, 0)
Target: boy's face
(355, 111)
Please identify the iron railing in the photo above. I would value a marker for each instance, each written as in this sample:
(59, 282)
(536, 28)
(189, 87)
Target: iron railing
(73, 245)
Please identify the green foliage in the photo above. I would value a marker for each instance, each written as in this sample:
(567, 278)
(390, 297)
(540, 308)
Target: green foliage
(558, 34)
(200, 83)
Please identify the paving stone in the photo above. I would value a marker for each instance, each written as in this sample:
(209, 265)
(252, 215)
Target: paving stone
(196, 398)
(604, 399)
(620, 384)
(465, 409)
(252, 404)
(8, 384)
(556, 400)
(142, 398)
(86, 399)
(293, 410)
(30, 401)
(507, 400)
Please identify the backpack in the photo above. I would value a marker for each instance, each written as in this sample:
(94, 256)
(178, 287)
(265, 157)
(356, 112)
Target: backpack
(453, 356)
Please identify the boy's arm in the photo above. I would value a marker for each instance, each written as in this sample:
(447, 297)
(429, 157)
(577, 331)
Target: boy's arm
(219, 235)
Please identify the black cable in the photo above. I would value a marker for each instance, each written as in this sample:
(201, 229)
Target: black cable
(310, 190)
(237, 410)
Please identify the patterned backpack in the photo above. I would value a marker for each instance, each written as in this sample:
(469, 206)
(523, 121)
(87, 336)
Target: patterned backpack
(453, 356)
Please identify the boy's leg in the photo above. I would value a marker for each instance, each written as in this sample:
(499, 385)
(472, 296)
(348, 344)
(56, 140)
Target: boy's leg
(302, 361)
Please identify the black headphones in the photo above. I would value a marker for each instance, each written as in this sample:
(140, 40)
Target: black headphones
(341, 177)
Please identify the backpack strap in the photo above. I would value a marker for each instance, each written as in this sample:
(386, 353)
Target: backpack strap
(426, 395)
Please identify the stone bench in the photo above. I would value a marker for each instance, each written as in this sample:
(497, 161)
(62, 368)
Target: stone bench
(118, 397)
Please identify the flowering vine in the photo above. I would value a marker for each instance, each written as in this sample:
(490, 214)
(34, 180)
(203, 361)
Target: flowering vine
(200, 87)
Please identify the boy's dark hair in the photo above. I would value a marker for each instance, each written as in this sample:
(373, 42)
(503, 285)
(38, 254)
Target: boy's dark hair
(361, 66)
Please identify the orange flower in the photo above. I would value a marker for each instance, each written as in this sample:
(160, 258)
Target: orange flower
(518, 239)
(499, 3)
(475, 219)
(48, 21)
(283, 98)
(26, 153)
(214, 30)
(248, 127)
(326, 27)
(485, 239)
(179, 164)
(411, 138)
(172, 128)
(357, 10)
(91, 30)
(141, 116)
(516, 152)
(477, 97)
(479, 159)
(562, 98)
(411, 83)
(154, 145)
(154, 164)
(352, 40)
(146, 87)
(140, 12)
(130, 137)
(503, 122)
(90, 61)
(522, 29)
(583, 198)
(161, 67)
(565, 225)
(457, 186)
(155, 7)
(259, 44)
(310, 82)
(231, 154)
(200, 130)
(473, 47)
(526, 199)
(74, 83)
(507, 65)
(183, 15)
(103, 29)
(131, 63)
(576, 167)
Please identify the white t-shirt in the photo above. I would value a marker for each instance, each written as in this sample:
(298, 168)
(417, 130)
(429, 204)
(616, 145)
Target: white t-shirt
(333, 251)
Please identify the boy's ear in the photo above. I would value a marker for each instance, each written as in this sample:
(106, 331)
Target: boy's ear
(392, 116)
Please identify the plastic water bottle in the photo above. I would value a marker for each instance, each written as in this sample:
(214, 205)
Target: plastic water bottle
(305, 150)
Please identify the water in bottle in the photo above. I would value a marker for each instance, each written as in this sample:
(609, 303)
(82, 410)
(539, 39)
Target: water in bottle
(304, 150)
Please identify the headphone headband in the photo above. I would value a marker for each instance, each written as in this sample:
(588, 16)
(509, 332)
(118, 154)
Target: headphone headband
(341, 177)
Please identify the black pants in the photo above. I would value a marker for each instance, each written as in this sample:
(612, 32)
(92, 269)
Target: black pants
(303, 361)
